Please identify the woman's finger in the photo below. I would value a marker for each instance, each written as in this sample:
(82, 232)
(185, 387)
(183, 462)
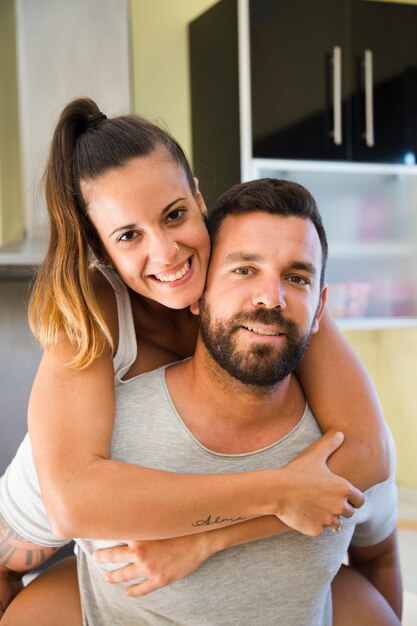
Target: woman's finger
(118, 554)
(124, 574)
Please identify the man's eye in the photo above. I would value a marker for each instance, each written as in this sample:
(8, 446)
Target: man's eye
(299, 280)
(243, 271)
(176, 215)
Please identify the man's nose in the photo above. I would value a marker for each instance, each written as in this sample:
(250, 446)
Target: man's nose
(270, 293)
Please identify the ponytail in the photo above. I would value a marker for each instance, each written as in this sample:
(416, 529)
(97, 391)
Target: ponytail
(63, 298)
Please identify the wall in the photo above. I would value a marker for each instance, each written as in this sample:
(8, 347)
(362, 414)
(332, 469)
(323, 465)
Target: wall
(391, 358)
(20, 356)
(12, 222)
(160, 62)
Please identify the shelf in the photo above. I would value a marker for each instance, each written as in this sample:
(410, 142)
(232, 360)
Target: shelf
(342, 167)
(375, 323)
(370, 249)
(18, 260)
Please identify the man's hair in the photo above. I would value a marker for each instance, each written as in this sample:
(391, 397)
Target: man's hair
(268, 195)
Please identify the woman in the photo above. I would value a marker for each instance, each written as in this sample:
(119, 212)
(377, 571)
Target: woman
(123, 189)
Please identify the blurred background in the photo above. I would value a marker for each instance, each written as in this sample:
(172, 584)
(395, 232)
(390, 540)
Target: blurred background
(313, 91)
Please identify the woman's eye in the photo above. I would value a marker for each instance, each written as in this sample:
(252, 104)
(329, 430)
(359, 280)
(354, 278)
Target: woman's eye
(128, 236)
(176, 215)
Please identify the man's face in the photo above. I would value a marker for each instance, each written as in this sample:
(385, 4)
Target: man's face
(262, 300)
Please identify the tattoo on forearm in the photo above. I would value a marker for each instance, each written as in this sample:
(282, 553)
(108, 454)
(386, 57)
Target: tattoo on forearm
(17, 552)
(217, 520)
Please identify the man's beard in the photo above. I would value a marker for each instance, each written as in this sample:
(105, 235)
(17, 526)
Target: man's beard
(263, 365)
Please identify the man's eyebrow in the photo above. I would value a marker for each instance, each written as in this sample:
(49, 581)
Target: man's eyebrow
(303, 265)
(130, 226)
(239, 257)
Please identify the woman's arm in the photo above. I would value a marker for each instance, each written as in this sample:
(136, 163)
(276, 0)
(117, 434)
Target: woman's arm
(342, 396)
(164, 561)
(17, 556)
(87, 494)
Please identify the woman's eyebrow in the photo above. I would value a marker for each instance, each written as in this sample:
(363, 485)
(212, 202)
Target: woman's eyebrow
(120, 228)
(163, 212)
(171, 204)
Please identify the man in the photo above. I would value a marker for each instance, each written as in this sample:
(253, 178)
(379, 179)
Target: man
(236, 406)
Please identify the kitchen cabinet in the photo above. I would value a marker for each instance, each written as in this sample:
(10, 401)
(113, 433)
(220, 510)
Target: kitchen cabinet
(385, 35)
(324, 82)
(327, 82)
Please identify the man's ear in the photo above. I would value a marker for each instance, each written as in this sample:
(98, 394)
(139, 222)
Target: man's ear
(322, 304)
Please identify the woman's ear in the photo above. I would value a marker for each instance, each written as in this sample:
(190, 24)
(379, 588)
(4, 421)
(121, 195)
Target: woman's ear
(195, 308)
(200, 200)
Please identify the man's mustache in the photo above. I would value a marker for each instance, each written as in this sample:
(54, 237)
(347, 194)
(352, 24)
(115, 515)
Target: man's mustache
(268, 317)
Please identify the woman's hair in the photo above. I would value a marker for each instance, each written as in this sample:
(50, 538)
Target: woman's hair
(86, 144)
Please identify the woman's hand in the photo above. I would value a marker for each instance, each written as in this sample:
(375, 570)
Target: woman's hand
(312, 497)
(161, 562)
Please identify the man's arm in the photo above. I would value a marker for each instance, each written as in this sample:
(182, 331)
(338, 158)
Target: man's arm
(380, 565)
(17, 556)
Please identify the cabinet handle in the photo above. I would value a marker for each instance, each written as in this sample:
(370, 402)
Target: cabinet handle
(336, 133)
(369, 99)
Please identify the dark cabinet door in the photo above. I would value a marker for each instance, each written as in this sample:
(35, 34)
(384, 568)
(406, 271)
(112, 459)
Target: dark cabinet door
(299, 56)
(384, 75)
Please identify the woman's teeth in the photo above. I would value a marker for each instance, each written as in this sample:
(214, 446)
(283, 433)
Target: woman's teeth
(169, 277)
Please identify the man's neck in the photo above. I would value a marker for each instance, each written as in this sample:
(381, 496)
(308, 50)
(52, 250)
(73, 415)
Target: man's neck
(227, 415)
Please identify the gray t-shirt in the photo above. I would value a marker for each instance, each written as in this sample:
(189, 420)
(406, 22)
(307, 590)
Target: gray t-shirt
(281, 580)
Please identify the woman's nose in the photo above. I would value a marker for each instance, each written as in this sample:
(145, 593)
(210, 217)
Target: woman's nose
(163, 251)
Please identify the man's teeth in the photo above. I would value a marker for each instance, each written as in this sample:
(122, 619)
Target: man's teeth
(169, 277)
(259, 331)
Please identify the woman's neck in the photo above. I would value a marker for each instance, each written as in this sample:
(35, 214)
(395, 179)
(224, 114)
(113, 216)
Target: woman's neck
(170, 329)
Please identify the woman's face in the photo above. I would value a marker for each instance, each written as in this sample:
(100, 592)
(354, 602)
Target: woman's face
(152, 229)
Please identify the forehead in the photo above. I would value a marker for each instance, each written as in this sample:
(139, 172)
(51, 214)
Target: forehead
(142, 179)
(272, 238)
